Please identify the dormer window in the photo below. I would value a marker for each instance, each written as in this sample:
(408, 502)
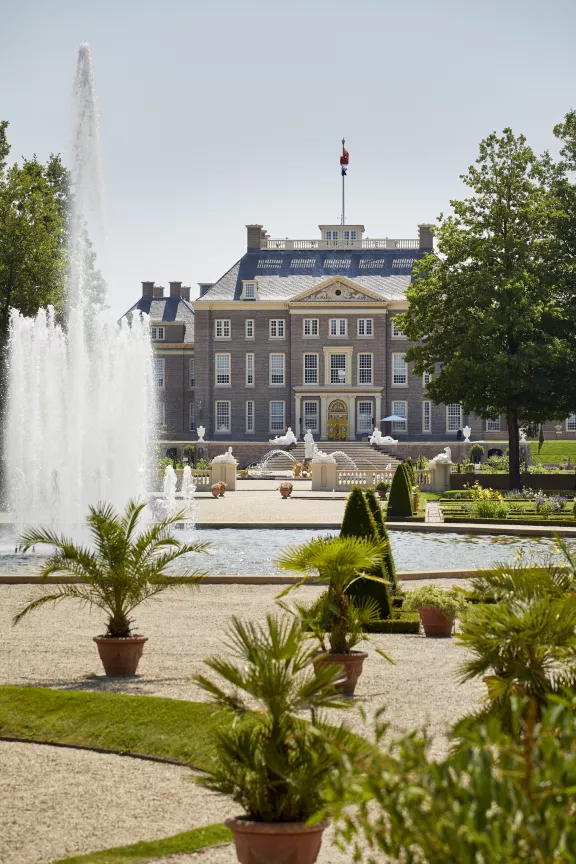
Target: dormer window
(332, 235)
(249, 290)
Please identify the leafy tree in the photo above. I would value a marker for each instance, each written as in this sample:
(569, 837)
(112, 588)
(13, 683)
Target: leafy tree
(491, 317)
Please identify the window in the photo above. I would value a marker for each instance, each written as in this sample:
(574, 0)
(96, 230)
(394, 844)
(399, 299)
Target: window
(400, 409)
(249, 328)
(364, 368)
(222, 366)
(157, 334)
(249, 370)
(222, 328)
(159, 377)
(250, 416)
(249, 290)
(365, 418)
(338, 326)
(571, 423)
(396, 332)
(222, 416)
(426, 416)
(492, 425)
(191, 372)
(338, 369)
(277, 414)
(399, 373)
(310, 327)
(365, 327)
(310, 368)
(160, 414)
(453, 418)
(277, 369)
(350, 235)
(277, 328)
(426, 378)
(311, 416)
(192, 417)
(332, 235)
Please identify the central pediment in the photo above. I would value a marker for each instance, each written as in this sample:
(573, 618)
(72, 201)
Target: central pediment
(337, 289)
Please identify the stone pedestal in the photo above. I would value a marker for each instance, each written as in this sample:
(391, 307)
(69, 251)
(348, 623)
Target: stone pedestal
(224, 472)
(324, 476)
(440, 476)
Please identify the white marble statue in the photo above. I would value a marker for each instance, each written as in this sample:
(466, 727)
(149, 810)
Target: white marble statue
(309, 445)
(377, 438)
(320, 457)
(444, 458)
(523, 436)
(200, 430)
(284, 440)
(466, 431)
(227, 458)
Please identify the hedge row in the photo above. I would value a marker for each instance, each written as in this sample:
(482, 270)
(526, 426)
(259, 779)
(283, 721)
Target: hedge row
(407, 622)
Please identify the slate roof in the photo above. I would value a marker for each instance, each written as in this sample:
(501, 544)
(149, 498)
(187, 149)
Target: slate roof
(168, 309)
(284, 274)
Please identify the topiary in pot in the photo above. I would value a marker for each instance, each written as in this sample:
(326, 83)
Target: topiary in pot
(400, 498)
(273, 764)
(382, 488)
(438, 608)
(117, 573)
(476, 453)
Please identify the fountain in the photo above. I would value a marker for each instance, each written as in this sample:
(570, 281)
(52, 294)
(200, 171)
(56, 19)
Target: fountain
(271, 461)
(80, 394)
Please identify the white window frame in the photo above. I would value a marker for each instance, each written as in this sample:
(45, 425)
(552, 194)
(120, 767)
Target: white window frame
(249, 289)
(276, 428)
(359, 414)
(426, 378)
(158, 334)
(316, 427)
(396, 332)
(365, 328)
(332, 236)
(449, 427)
(396, 425)
(250, 416)
(493, 425)
(571, 423)
(270, 373)
(350, 235)
(426, 420)
(249, 328)
(335, 324)
(227, 383)
(249, 369)
(223, 431)
(404, 382)
(191, 417)
(317, 369)
(191, 373)
(312, 324)
(277, 328)
(160, 413)
(224, 326)
(360, 370)
(160, 372)
(335, 369)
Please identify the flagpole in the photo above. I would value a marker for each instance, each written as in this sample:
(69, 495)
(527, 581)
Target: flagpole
(343, 193)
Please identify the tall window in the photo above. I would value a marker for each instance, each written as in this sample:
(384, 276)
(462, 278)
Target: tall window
(277, 368)
(310, 327)
(571, 423)
(159, 377)
(311, 416)
(157, 334)
(365, 326)
(453, 418)
(365, 410)
(400, 408)
(192, 418)
(338, 368)
(310, 368)
(364, 368)
(277, 415)
(222, 368)
(160, 414)
(249, 328)
(222, 416)
(250, 415)
(426, 378)
(249, 370)
(492, 425)
(338, 327)
(222, 330)
(249, 290)
(426, 416)
(191, 372)
(396, 332)
(399, 372)
(277, 328)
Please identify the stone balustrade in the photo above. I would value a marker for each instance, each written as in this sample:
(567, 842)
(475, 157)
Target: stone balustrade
(282, 243)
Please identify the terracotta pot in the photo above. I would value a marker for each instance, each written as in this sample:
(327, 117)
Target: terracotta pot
(381, 494)
(435, 622)
(351, 664)
(276, 842)
(120, 656)
(285, 493)
(216, 493)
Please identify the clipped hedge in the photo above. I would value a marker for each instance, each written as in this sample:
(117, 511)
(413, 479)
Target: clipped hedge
(400, 497)
(376, 510)
(408, 622)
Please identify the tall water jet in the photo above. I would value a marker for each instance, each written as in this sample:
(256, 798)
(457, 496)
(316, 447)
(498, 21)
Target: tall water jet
(80, 396)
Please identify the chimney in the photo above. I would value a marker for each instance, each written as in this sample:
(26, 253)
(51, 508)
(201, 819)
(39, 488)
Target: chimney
(204, 287)
(254, 238)
(185, 292)
(425, 238)
(158, 291)
(147, 289)
(175, 289)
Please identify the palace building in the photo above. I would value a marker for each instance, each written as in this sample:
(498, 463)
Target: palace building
(300, 333)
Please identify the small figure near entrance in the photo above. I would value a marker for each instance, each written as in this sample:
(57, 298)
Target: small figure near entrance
(308, 445)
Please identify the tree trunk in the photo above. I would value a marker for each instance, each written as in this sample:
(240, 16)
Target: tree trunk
(514, 451)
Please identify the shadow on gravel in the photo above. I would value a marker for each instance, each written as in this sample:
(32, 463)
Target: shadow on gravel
(105, 684)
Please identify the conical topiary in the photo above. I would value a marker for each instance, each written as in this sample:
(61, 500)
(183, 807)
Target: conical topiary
(358, 521)
(400, 498)
(376, 510)
(411, 472)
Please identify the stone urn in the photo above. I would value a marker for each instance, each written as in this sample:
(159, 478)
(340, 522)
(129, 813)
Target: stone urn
(120, 657)
(276, 842)
(351, 665)
(436, 624)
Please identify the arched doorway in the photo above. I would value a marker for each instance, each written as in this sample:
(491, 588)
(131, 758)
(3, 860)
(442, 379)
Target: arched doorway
(337, 423)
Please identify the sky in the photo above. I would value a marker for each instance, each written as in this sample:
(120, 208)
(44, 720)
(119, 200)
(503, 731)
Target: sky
(219, 113)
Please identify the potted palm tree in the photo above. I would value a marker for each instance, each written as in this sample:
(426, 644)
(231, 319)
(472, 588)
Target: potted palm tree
(272, 763)
(120, 570)
(338, 563)
(438, 608)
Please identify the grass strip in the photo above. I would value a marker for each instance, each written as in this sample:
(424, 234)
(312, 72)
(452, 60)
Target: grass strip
(140, 853)
(171, 729)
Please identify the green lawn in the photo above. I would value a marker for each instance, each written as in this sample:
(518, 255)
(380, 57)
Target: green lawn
(554, 451)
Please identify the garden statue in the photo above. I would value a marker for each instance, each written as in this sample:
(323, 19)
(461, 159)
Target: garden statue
(319, 457)
(444, 458)
(284, 440)
(309, 445)
(377, 438)
(227, 457)
(200, 430)
(467, 430)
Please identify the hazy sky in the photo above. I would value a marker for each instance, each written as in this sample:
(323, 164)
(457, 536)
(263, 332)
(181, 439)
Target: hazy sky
(218, 113)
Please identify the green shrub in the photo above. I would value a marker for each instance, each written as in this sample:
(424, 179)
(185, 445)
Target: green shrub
(376, 511)
(458, 494)
(400, 498)
(411, 474)
(447, 600)
(201, 465)
(477, 450)
(408, 622)
(489, 509)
